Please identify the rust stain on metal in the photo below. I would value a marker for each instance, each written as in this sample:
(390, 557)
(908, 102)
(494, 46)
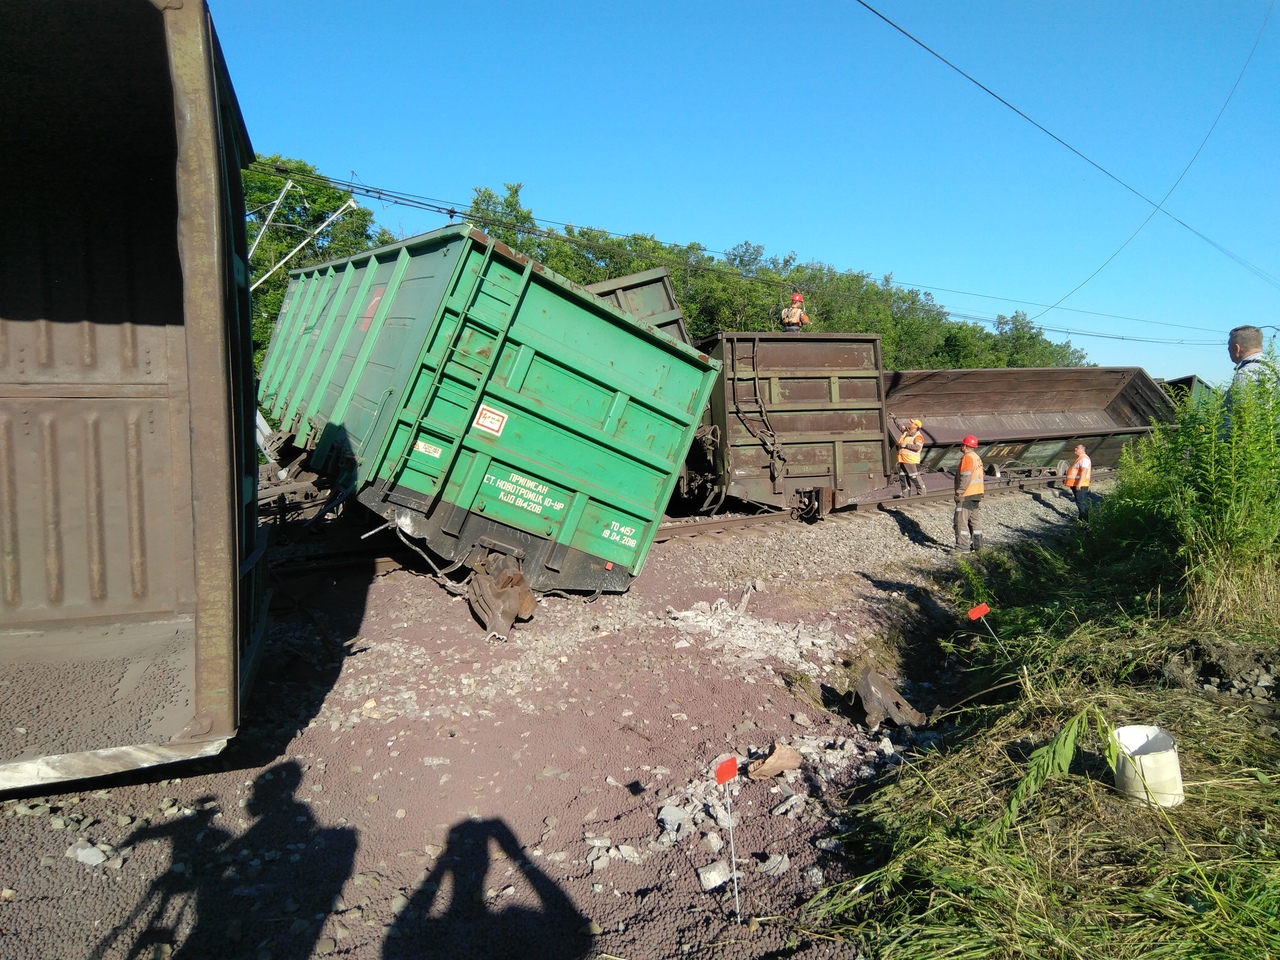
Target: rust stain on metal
(95, 521)
(10, 565)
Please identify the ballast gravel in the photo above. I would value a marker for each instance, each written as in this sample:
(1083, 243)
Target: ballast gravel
(402, 788)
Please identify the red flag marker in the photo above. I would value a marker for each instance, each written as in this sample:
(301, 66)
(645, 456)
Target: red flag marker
(726, 770)
(980, 613)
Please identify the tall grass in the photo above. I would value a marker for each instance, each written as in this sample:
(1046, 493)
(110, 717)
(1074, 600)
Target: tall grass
(1206, 488)
(1008, 839)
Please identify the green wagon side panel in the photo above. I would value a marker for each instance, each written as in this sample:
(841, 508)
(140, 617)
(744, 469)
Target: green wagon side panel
(272, 360)
(303, 329)
(479, 381)
(327, 351)
(314, 352)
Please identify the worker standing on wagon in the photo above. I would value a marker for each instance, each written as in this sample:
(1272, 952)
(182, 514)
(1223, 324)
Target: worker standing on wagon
(1077, 480)
(910, 448)
(969, 490)
(794, 316)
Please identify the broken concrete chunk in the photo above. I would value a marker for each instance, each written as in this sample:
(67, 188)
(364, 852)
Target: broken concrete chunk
(721, 815)
(792, 807)
(85, 852)
(714, 875)
(776, 865)
(671, 817)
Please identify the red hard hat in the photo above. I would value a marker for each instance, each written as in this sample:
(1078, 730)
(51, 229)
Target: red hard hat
(797, 298)
(970, 441)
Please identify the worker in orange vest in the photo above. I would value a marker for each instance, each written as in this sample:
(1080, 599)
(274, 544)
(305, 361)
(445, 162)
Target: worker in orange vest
(969, 490)
(794, 316)
(1077, 481)
(910, 448)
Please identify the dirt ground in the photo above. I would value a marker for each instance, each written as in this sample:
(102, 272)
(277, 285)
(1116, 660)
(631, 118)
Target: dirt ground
(403, 788)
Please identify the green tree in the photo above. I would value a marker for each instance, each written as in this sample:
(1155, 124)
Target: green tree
(1023, 344)
(302, 209)
(746, 289)
(505, 219)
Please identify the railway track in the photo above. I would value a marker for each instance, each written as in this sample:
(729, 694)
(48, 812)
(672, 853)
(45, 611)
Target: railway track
(995, 487)
(674, 529)
(376, 559)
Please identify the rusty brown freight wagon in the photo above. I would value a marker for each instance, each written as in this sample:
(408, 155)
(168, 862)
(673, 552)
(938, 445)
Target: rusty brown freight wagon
(130, 553)
(796, 422)
(1027, 420)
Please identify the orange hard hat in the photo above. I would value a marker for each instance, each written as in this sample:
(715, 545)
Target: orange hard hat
(970, 441)
(797, 298)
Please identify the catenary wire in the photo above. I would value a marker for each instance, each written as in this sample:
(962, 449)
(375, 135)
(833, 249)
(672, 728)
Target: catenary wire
(458, 210)
(992, 321)
(1033, 303)
(396, 197)
(1213, 126)
(1255, 270)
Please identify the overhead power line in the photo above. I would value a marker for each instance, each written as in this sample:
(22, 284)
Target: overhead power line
(453, 211)
(461, 211)
(1033, 303)
(1255, 270)
(1213, 126)
(992, 321)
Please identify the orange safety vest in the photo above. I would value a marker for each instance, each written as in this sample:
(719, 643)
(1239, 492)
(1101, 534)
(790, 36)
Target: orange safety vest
(1079, 473)
(905, 453)
(793, 316)
(971, 463)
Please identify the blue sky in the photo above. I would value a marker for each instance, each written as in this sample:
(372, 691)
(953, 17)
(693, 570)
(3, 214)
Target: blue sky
(820, 129)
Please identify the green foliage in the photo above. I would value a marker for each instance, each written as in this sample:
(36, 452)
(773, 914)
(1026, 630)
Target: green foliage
(1206, 489)
(748, 289)
(1054, 760)
(306, 206)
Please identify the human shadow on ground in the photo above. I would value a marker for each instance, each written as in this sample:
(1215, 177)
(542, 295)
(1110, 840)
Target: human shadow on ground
(457, 912)
(224, 894)
(1060, 502)
(910, 528)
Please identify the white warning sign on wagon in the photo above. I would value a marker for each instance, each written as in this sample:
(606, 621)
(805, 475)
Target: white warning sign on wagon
(490, 420)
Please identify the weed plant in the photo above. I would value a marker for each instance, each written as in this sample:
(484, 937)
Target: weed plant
(1015, 845)
(1206, 489)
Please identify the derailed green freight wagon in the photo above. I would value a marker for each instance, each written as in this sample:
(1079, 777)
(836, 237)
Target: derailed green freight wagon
(483, 404)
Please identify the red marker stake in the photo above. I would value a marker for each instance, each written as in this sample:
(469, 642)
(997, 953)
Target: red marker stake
(727, 770)
(980, 613)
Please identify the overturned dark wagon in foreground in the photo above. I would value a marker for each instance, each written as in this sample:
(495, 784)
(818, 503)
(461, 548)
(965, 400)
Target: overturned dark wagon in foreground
(131, 574)
(515, 425)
